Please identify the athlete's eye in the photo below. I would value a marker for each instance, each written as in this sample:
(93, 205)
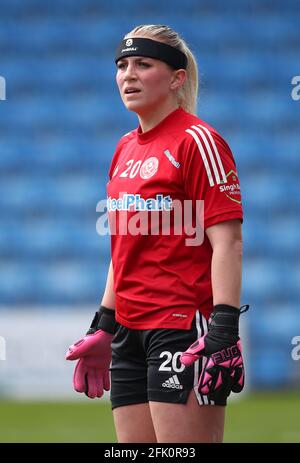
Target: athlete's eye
(143, 64)
(120, 65)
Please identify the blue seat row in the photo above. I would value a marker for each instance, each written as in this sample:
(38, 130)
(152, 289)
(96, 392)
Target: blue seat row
(87, 112)
(270, 367)
(82, 187)
(90, 33)
(55, 238)
(77, 192)
(57, 152)
(272, 236)
(129, 5)
(59, 70)
(52, 283)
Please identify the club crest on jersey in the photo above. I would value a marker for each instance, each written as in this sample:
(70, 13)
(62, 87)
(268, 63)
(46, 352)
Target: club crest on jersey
(149, 167)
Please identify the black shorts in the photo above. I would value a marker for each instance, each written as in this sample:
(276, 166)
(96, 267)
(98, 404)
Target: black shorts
(146, 367)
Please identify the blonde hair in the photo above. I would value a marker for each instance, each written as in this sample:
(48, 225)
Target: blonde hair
(188, 93)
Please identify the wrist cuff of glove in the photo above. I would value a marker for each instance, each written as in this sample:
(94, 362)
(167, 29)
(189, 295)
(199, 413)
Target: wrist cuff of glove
(225, 320)
(226, 317)
(103, 320)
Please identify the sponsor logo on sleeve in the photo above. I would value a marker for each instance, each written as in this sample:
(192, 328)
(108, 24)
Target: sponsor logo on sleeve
(231, 189)
(172, 159)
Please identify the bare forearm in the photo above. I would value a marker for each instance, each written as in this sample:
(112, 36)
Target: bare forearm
(108, 299)
(226, 273)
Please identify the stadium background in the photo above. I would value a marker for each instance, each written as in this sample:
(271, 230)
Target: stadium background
(58, 128)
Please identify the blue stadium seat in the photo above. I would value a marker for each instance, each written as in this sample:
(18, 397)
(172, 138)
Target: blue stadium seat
(269, 368)
(71, 283)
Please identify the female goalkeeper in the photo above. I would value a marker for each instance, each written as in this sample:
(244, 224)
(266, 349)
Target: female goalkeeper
(167, 328)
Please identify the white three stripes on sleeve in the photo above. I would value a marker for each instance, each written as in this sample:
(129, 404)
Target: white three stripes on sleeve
(201, 135)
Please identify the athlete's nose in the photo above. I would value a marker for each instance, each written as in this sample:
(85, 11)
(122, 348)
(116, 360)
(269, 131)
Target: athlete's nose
(130, 73)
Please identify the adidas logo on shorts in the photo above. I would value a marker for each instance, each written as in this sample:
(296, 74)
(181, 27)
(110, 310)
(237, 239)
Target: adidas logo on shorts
(172, 383)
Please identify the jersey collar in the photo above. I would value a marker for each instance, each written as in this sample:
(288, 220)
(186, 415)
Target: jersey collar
(146, 137)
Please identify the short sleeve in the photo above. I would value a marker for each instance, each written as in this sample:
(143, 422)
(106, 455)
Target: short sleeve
(113, 169)
(210, 174)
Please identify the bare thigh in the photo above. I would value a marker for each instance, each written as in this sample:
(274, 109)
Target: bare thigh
(133, 423)
(188, 422)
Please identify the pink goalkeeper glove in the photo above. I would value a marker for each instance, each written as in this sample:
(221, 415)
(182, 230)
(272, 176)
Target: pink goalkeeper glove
(93, 353)
(224, 370)
(91, 373)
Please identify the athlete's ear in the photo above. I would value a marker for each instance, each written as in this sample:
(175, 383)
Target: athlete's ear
(178, 79)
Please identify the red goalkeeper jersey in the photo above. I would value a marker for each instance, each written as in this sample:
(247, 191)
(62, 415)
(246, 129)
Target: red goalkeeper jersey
(161, 275)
